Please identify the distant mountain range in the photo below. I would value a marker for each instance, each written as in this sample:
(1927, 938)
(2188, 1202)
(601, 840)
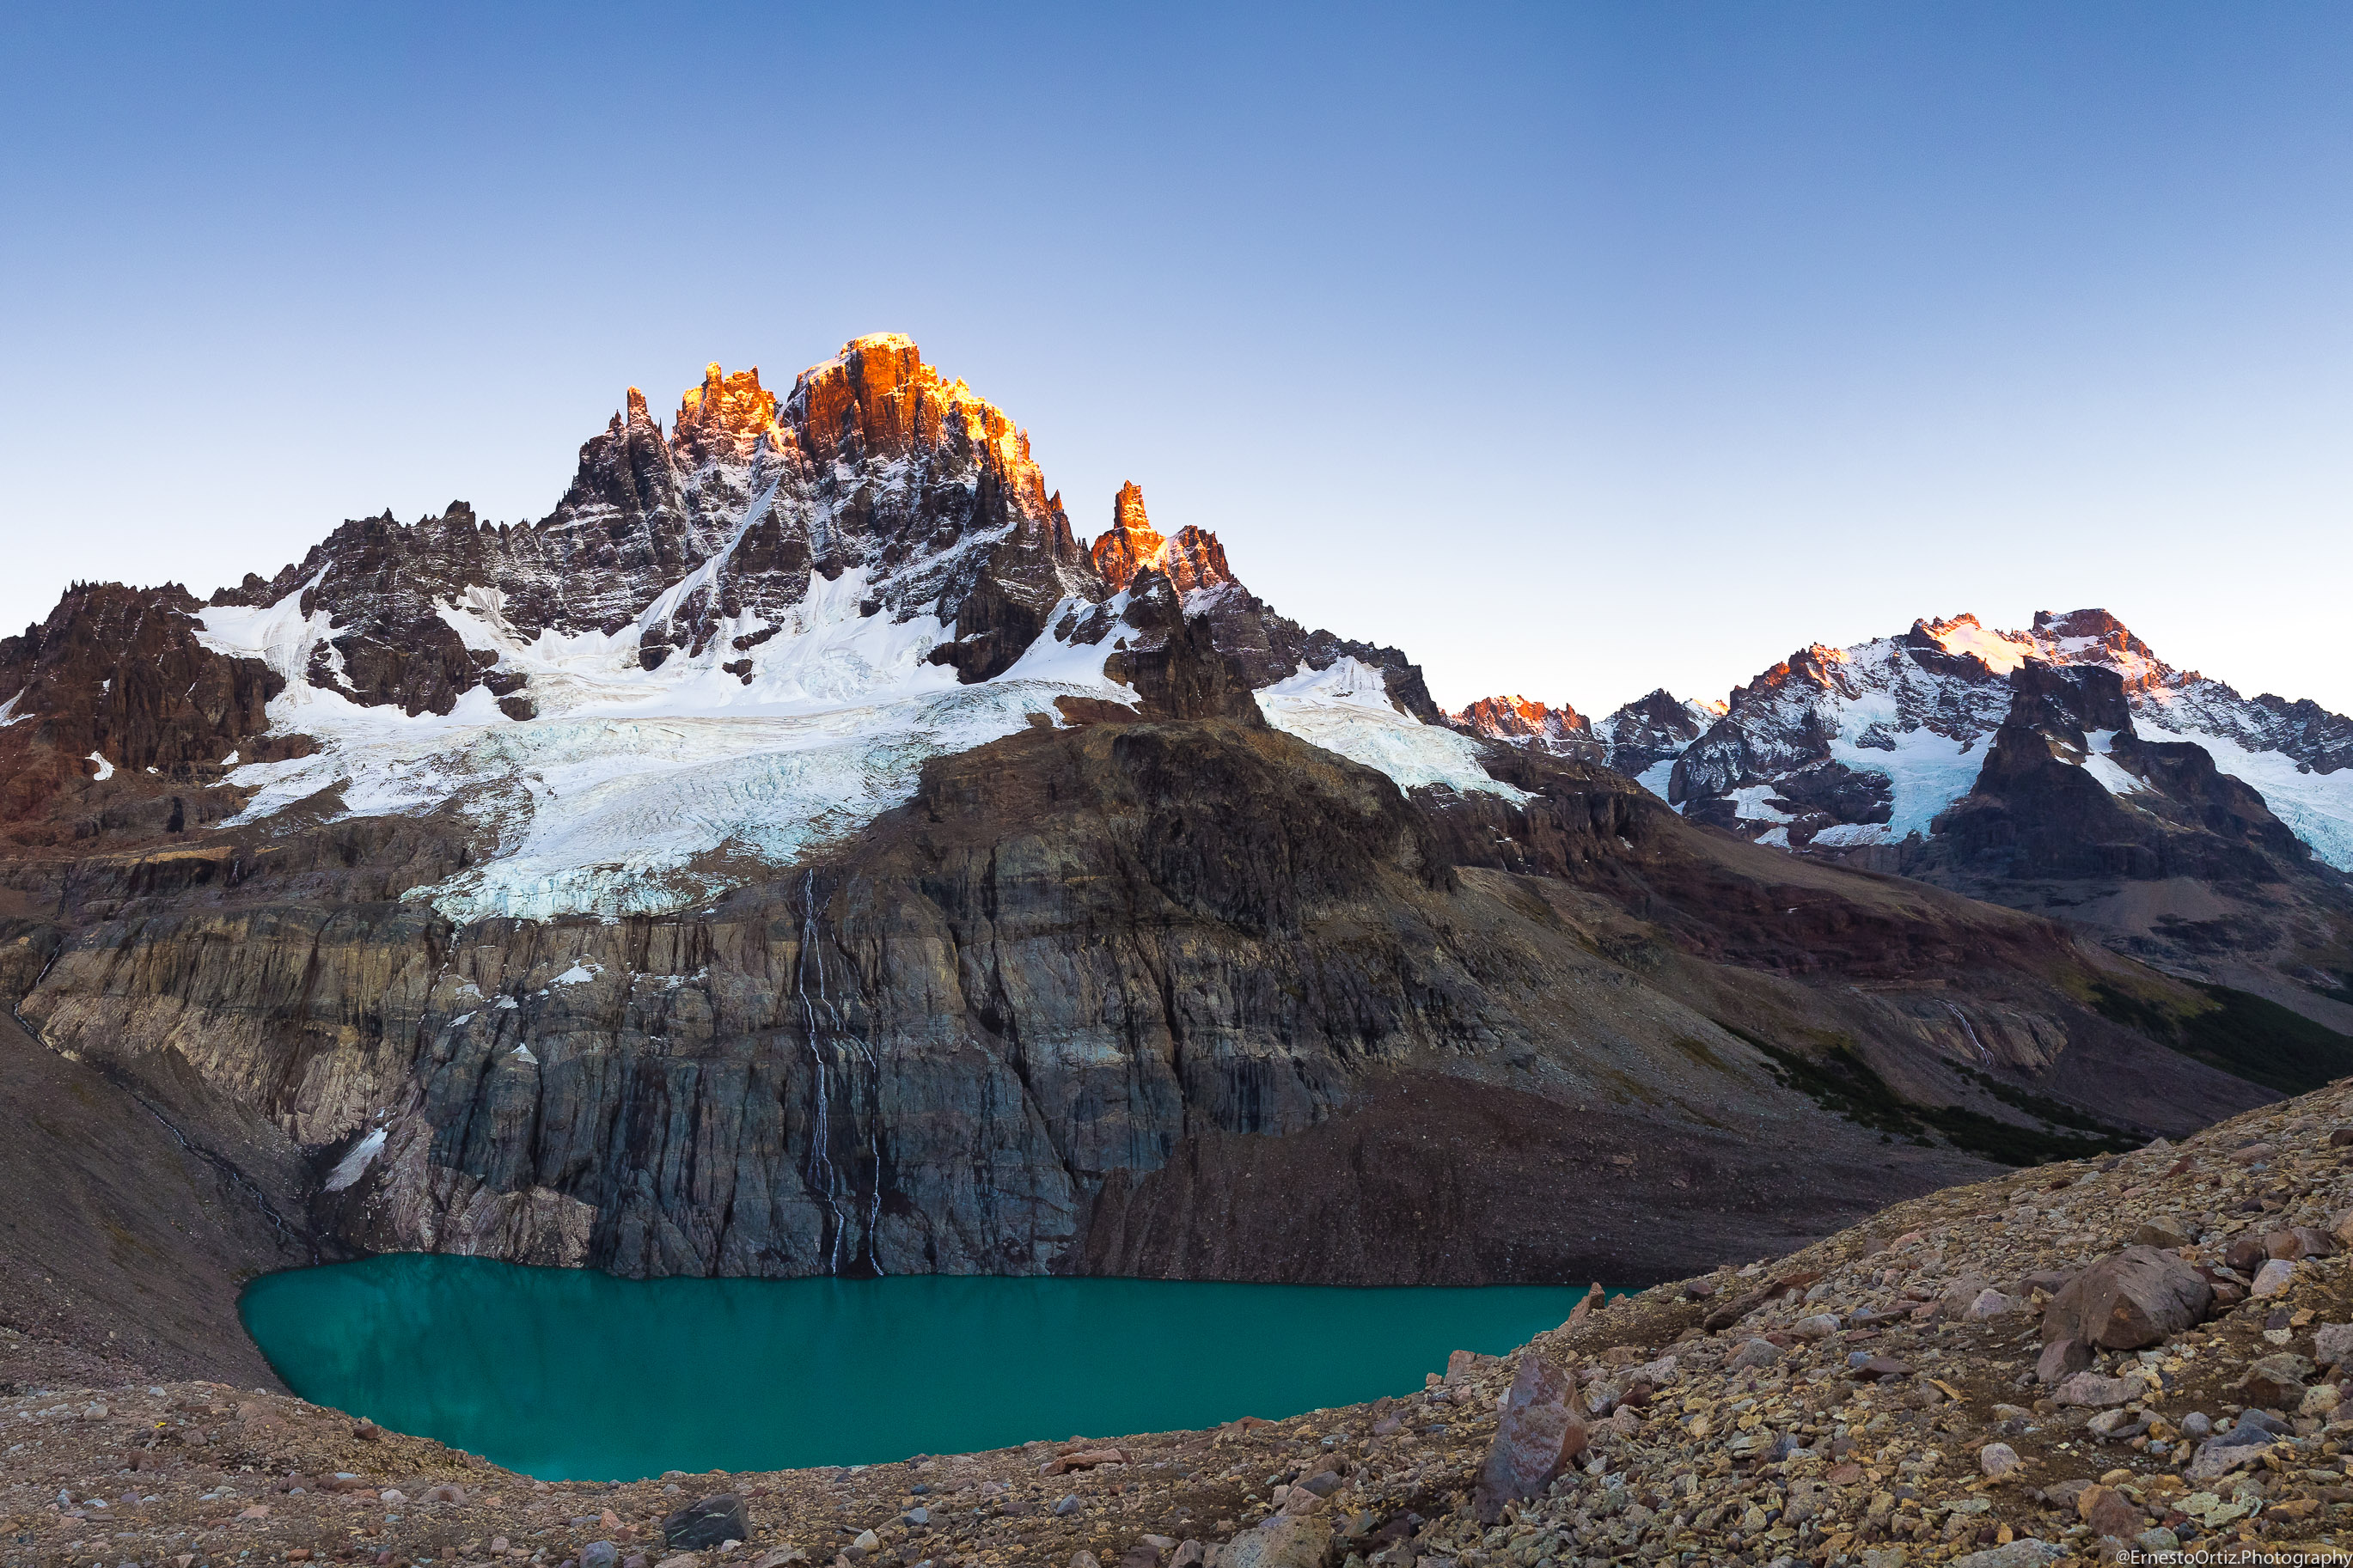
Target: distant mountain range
(2063, 768)
(801, 853)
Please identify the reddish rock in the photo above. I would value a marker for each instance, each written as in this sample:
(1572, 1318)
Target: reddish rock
(2061, 1358)
(2106, 1511)
(2275, 1383)
(2139, 1297)
(1562, 731)
(1192, 559)
(1537, 1435)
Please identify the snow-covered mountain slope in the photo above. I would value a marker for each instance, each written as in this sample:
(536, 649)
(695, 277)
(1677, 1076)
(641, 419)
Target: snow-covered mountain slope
(1840, 748)
(629, 789)
(1347, 709)
(729, 643)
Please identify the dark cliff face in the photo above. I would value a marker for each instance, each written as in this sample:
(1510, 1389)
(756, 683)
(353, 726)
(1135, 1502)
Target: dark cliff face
(1187, 998)
(2037, 811)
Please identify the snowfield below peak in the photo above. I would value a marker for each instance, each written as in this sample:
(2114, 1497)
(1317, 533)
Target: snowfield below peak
(640, 791)
(1346, 709)
(2316, 807)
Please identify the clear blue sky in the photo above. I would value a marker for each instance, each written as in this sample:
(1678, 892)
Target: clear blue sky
(1575, 348)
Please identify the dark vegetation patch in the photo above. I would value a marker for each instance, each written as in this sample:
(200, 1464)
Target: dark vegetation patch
(1842, 1083)
(2242, 1033)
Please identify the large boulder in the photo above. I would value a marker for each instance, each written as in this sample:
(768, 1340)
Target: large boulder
(2139, 1297)
(1536, 1436)
(711, 1522)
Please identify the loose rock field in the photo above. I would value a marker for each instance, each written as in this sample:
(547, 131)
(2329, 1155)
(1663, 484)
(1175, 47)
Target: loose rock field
(1927, 1389)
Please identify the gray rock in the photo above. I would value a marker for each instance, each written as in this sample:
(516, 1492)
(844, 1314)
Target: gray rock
(2026, 1553)
(2332, 1342)
(2117, 1426)
(2263, 1421)
(1068, 1505)
(1998, 1458)
(2272, 1278)
(2090, 1388)
(600, 1554)
(2197, 1423)
(1289, 1543)
(2218, 1457)
(707, 1523)
(1754, 1352)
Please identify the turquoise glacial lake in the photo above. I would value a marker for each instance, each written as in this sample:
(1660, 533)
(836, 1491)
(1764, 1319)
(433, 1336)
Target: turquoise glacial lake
(568, 1375)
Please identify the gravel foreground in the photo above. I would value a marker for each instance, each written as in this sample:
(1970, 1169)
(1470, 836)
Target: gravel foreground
(1871, 1400)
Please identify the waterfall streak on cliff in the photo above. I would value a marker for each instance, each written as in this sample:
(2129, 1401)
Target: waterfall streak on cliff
(1984, 1055)
(821, 1167)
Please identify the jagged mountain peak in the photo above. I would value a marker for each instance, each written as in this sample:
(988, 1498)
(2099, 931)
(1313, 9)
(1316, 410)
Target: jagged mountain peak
(725, 418)
(809, 594)
(1517, 717)
(1868, 747)
(1131, 544)
(878, 398)
(1191, 558)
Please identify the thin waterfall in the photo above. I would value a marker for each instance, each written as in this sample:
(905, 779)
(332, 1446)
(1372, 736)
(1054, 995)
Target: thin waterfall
(1983, 1055)
(822, 1173)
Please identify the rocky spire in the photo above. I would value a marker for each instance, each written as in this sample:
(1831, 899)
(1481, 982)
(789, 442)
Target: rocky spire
(723, 419)
(1192, 558)
(1131, 544)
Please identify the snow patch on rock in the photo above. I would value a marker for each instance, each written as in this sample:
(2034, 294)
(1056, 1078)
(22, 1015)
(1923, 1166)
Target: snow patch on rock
(2318, 807)
(1346, 709)
(352, 1166)
(631, 787)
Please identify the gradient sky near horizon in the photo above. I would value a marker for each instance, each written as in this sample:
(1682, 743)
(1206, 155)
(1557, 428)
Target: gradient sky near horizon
(1578, 349)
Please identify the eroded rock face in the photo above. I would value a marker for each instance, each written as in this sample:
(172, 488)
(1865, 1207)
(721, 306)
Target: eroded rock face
(1114, 999)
